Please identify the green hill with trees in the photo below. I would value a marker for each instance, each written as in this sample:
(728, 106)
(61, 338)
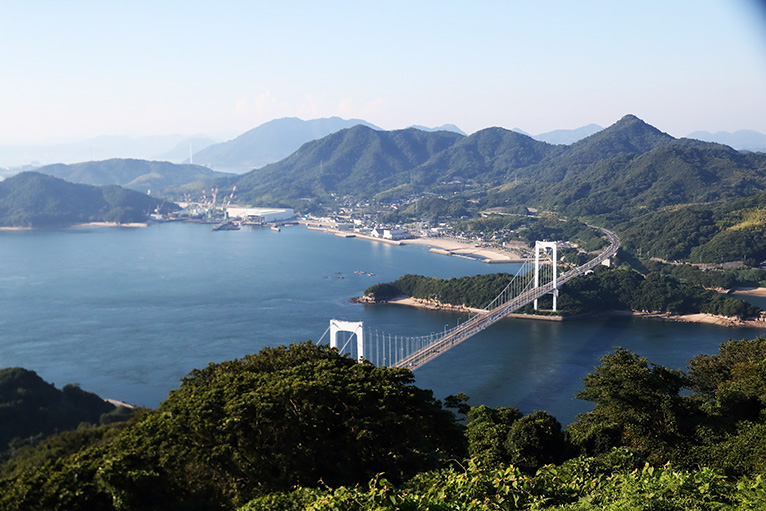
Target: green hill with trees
(139, 175)
(630, 177)
(603, 290)
(31, 409)
(358, 161)
(31, 199)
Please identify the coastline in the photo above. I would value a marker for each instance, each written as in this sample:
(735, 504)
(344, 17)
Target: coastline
(111, 224)
(750, 291)
(462, 248)
(88, 224)
(449, 247)
(705, 318)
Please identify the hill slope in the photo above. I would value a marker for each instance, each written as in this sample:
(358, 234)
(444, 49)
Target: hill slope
(139, 175)
(29, 406)
(358, 161)
(31, 199)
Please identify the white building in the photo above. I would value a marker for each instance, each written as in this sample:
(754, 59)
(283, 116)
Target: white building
(396, 234)
(260, 215)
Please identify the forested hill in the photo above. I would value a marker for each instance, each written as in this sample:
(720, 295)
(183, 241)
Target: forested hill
(358, 161)
(139, 175)
(31, 199)
(680, 172)
(630, 164)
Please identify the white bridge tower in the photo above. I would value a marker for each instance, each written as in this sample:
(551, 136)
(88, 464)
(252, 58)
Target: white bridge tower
(544, 246)
(354, 327)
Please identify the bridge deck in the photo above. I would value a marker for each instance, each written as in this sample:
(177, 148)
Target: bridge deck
(484, 319)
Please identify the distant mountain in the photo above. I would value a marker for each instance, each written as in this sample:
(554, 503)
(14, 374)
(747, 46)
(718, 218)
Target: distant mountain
(100, 148)
(490, 158)
(566, 137)
(358, 161)
(31, 199)
(270, 142)
(139, 175)
(185, 148)
(743, 140)
(443, 127)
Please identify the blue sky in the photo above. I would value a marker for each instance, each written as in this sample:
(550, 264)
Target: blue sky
(82, 69)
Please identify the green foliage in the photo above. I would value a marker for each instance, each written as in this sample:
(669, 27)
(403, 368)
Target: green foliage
(603, 290)
(31, 408)
(488, 431)
(383, 291)
(577, 485)
(138, 175)
(429, 207)
(476, 291)
(622, 289)
(359, 161)
(31, 199)
(536, 440)
(723, 231)
(302, 414)
(637, 405)
(504, 436)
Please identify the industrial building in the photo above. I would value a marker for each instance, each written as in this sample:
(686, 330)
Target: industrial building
(260, 215)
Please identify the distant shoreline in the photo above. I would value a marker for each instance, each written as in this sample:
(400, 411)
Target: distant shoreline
(449, 247)
(112, 224)
(751, 291)
(709, 319)
(88, 224)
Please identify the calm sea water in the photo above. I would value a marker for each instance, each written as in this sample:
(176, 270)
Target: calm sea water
(127, 312)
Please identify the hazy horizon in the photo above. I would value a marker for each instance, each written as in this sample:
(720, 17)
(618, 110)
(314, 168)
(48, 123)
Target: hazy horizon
(82, 69)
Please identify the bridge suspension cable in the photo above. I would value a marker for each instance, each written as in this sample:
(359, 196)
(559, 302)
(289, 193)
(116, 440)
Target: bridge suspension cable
(533, 280)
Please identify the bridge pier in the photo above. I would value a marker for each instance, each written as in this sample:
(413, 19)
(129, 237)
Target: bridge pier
(544, 246)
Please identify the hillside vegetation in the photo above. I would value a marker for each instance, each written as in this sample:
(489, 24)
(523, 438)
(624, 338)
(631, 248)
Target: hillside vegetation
(603, 290)
(31, 199)
(31, 409)
(302, 427)
(630, 177)
(139, 175)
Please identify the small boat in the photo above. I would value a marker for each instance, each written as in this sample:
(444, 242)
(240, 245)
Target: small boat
(275, 228)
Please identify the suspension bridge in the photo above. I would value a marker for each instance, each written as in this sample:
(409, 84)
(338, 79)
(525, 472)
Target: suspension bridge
(536, 277)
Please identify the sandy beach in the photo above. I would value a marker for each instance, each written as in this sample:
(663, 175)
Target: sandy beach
(431, 305)
(457, 247)
(462, 248)
(752, 291)
(438, 245)
(709, 319)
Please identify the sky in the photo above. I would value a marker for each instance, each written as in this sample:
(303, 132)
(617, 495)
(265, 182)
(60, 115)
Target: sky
(77, 69)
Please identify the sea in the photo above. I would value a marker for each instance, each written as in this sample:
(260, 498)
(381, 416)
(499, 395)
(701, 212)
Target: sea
(126, 312)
